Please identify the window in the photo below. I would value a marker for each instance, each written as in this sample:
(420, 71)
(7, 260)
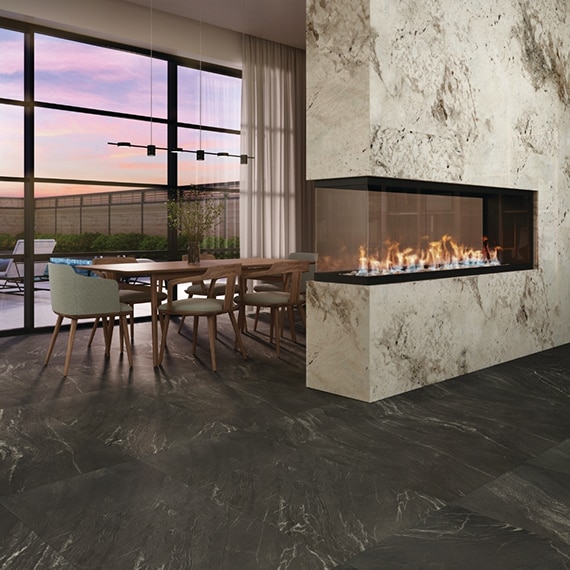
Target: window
(87, 93)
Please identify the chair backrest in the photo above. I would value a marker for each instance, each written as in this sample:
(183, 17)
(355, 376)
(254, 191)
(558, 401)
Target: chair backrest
(78, 295)
(290, 270)
(15, 269)
(229, 273)
(310, 274)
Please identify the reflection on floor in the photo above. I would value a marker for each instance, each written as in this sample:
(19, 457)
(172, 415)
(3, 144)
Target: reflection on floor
(180, 467)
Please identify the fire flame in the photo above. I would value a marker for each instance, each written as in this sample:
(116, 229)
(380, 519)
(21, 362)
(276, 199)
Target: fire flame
(443, 254)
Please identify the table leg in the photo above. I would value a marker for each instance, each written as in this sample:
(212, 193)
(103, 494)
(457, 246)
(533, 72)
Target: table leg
(154, 318)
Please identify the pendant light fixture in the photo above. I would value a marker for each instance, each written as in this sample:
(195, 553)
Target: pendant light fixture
(151, 148)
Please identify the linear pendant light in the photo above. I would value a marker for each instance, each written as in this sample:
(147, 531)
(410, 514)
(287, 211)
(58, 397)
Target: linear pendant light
(152, 148)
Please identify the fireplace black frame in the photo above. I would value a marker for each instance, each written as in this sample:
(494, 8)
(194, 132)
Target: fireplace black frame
(497, 202)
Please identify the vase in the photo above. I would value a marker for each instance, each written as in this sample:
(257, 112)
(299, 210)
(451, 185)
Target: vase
(193, 252)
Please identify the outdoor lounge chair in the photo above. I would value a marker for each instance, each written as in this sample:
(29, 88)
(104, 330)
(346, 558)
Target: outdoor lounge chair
(12, 270)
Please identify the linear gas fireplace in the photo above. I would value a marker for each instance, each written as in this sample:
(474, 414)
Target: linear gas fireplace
(373, 230)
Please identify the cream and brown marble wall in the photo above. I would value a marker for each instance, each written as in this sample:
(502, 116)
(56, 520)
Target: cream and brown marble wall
(453, 91)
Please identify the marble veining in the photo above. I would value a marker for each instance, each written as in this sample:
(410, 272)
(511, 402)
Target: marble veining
(247, 468)
(373, 342)
(454, 92)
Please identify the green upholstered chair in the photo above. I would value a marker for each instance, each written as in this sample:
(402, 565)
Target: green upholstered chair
(129, 293)
(77, 297)
(209, 306)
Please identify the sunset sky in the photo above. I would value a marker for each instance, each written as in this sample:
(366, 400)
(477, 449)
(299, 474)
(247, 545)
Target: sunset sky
(74, 145)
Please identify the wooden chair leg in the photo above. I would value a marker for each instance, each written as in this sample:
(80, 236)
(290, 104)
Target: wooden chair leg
(212, 337)
(241, 316)
(292, 323)
(165, 321)
(132, 320)
(72, 331)
(278, 328)
(125, 330)
(272, 316)
(181, 323)
(52, 341)
(108, 323)
(195, 334)
(93, 330)
(237, 332)
(257, 311)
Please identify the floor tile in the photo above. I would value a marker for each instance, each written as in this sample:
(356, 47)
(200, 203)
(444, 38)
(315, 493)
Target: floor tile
(133, 516)
(36, 449)
(534, 496)
(455, 538)
(22, 549)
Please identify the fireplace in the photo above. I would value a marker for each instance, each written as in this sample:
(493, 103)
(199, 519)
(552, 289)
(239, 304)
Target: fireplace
(372, 230)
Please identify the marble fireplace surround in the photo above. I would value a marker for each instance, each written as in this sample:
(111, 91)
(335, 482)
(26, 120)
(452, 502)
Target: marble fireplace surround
(372, 342)
(374, 337)
(450, 92)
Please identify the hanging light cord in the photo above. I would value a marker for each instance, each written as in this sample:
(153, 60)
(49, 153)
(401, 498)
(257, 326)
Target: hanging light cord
(151, 148)
(151, 69)
(200, 85)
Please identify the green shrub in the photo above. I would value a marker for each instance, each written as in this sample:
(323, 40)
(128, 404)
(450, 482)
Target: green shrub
(123, 242)
(7, 242)
(153, 243)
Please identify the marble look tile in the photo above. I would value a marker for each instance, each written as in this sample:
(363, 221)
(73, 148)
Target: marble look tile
(443, 446)
(36, 449)
(338, 87)
(328, 509)
(136, 424)
(132, 516)
(393, 341)
(534, 496)
(21, 548)
(458, 538)
(27, 380)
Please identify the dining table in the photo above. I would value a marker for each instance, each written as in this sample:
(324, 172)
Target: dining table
(159, 272)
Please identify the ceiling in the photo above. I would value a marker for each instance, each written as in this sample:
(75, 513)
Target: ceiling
(281, 21)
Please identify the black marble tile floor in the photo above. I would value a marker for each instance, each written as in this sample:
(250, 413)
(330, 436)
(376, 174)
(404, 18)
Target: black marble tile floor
(179, 467)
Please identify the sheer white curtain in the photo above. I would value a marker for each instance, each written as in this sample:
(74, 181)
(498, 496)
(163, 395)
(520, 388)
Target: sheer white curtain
(273, 131)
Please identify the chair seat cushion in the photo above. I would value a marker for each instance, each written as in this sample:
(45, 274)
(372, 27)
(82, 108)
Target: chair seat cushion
(131, 296)
(266, 298)
(198, 288)
(219, 289)
(199, 306)
(267, 287)
(126, 308)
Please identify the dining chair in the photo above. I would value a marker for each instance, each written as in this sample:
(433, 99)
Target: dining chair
(277, 284)
(289, 297)
(77, 297)
(129, 293)
(202, 288)
(210, 307)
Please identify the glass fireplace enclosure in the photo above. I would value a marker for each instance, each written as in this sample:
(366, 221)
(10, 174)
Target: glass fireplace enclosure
(373, 230)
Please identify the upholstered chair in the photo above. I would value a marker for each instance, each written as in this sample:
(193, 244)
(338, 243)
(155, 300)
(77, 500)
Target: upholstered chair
(210, 307)
(77, 297)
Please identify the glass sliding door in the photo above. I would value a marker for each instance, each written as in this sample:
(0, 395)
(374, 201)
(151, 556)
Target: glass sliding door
(63, 98)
